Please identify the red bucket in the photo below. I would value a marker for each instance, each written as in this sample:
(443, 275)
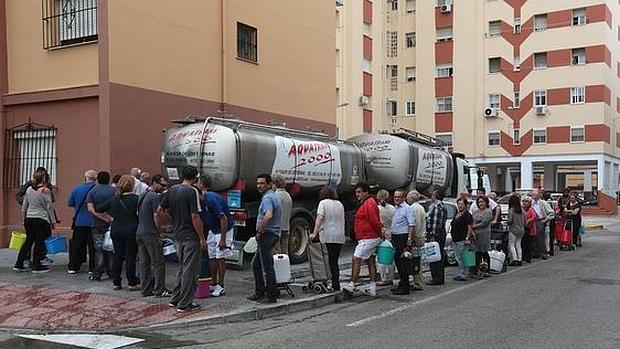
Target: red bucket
(203, 288)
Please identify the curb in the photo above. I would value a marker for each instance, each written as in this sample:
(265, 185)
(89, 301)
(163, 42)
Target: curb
(255, 313)
(594, 227)
(306, 271)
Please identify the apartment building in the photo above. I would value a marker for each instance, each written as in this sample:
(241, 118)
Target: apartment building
(526, 88)
(92, 83)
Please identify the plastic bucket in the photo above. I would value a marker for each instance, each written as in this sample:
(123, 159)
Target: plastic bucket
(203, 289)
(56, 244)
(385, 253)
(469, 258)
(18, 239)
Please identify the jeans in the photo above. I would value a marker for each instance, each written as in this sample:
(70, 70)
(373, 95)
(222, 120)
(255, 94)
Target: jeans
(151, 254)
(438, 268)
(262, 265)
(205, 270)
(459, 248)
(514, 244)
(125, 250)
(188, 252)
(103, 259)
(333, 252)
(80, 243)
(400, 244)
(541, 243)
(282, 244)
(37, 230)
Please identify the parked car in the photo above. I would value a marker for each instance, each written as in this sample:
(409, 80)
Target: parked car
(451, 209)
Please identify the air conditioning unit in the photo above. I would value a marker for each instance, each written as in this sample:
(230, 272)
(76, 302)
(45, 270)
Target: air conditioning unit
(364, 100)
(490, 112)
(541, 110)
(446, 8)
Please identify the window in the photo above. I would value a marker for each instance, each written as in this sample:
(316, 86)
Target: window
(68, 22)
(410, 74)
(28, 147)
(517, 62)
(247, 42)
(410, 39)
(494, 100)
(540, 136)
(392, 108)
(392, 73)
(540, 98)
(444, 34)
(517, 26)
(410, 108)
(577, 134)
(577, 95)
(540, 22)
(367, 65)
(495, 29)
(516, 100)
(392, 44)
(444, 104)
(540, 60)
(579, 16)
(579, 56)
(516, 136)
(410, 5)
(444, 70)
(495, 65)
(393, 4)
(445, 138)
(494, 138)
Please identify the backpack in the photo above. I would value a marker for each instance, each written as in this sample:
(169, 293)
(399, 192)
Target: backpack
(21, 193)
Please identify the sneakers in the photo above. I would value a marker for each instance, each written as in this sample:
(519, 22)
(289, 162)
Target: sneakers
(163, 294)
(20, 269)
(47, 260)
(191, 307)
(218, 290)
(40, 269)
(371, 290)
(117, 287)
(173, 304)
(69, 271)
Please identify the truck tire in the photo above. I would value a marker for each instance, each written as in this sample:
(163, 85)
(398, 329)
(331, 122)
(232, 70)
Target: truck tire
(298, 239)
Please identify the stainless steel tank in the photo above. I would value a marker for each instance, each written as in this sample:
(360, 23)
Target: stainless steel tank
(235, 152)
(396, 161)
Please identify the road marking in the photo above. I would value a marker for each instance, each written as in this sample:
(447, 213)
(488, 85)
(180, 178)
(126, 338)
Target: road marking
(429, 299)
(91, 341)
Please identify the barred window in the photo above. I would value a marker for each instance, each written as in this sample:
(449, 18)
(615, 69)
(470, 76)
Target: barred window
(68, 22)
(247, 47)
(28, 147)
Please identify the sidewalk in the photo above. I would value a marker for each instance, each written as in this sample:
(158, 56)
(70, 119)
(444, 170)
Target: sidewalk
(600, 222)
(57, 301)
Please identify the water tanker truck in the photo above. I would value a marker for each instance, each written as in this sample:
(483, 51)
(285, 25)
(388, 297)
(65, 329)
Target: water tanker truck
(234, 152)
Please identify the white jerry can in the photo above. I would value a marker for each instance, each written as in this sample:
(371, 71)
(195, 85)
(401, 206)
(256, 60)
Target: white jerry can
(497, 260)
(282, 267)
(432, 252)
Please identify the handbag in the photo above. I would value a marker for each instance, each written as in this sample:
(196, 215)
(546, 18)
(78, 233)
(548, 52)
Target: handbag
(108, 244)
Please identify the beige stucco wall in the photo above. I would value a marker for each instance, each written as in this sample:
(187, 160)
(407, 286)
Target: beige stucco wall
(33, 68)
(175, 48)
(180, 52)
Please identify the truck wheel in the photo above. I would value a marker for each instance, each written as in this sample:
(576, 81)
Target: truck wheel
(298, 240)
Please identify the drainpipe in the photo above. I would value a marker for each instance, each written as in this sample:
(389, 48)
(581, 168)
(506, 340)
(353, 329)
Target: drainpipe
(223, 82)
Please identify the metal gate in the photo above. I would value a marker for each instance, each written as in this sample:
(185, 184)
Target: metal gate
(28, 147)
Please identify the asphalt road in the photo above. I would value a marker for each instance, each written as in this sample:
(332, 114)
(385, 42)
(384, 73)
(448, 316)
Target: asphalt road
(569, 301)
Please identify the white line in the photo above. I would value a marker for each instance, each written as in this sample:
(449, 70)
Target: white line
(427, 300)
(91, 341)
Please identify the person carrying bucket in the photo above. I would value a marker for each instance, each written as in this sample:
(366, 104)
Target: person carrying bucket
(403, 235)
(460, 228)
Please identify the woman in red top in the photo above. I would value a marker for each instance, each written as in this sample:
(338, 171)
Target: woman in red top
(529, 238)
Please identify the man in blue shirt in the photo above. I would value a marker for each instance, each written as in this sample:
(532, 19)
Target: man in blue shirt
(219, 229)
(82, 221)
(101, 222)
(403, 233)
(267, 235)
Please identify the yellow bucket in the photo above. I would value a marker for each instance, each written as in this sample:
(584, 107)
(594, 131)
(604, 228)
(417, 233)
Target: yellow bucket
(18, 239)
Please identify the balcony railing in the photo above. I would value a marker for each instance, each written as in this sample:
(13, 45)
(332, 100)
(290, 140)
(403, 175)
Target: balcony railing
(68, 22)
